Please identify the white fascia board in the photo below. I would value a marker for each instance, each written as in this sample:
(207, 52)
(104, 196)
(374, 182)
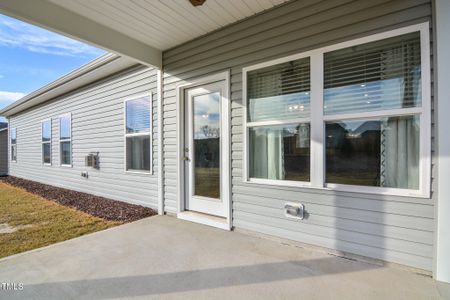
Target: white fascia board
(58, 19)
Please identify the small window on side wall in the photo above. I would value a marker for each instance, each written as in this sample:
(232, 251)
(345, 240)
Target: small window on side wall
(138, 134)
(13, 142)
(46, 136)
(65, 140)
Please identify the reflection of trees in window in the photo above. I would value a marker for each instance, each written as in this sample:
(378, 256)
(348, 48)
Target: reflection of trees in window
(210, 132)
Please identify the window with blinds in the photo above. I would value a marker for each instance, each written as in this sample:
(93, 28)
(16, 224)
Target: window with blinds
(279, 92)
(369, 119)
(374, 76)
(138, 134)
(65, 140)
(380, 149)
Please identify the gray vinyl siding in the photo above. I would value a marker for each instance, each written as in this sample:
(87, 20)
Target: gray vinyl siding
(3, 152)
(97, 125)
(395, 229)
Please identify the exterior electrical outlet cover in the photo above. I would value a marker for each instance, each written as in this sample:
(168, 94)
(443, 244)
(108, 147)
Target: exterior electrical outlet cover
(294, 210)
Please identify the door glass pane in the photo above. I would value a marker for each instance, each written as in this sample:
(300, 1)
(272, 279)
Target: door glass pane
(206, 109)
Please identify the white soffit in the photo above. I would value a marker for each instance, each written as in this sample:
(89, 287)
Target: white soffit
(164, 24)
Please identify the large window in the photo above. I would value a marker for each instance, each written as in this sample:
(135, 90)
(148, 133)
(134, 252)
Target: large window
(138, 134)
(356, 114)
(13, 143)
(65, 140)
(46, 140)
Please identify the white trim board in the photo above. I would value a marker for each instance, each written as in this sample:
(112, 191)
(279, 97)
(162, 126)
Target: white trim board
(159, 87)
(442, 67)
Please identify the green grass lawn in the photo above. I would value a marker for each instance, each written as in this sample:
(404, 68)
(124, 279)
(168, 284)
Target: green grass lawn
(39, 222)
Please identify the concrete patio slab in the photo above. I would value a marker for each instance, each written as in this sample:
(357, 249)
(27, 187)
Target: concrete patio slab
(163, 257)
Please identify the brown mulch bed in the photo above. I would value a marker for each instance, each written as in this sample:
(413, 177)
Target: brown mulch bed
(96, 206)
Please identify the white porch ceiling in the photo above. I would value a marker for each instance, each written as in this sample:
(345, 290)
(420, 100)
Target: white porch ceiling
(164, 24)
(139, 29)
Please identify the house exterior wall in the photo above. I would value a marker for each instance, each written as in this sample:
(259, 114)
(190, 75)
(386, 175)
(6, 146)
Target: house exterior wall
(391, 228)
(97, 126)
(3, 152)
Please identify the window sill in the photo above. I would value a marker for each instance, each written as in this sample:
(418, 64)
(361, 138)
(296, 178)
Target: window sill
(291, 183)
(138, 172)
(342, 188)
(48, 165)
(66, 166)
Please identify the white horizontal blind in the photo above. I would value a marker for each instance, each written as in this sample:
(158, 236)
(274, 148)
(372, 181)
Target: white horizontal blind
(374, 76)
(279, 92)
(46, 131)
(138, 115)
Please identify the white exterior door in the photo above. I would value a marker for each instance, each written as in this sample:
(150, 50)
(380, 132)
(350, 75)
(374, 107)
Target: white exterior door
(206, 150)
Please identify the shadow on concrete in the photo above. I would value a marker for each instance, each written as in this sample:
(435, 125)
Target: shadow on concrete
(195, 280)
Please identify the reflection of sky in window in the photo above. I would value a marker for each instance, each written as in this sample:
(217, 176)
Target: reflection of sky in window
(281, 107)
(138, 115)
(373, 95)
(46, 131)
(13, 135)
(64, 127)
(207, 116)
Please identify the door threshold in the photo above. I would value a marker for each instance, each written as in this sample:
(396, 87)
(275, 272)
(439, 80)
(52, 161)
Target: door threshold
(205, 219)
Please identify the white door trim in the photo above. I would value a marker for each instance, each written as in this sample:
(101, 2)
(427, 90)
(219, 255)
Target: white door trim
(226, 172)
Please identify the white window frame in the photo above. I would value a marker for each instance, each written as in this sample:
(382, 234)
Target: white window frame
(150, 133)
(318, 118)
(65, 140)
(11, 144)
(49, 142)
